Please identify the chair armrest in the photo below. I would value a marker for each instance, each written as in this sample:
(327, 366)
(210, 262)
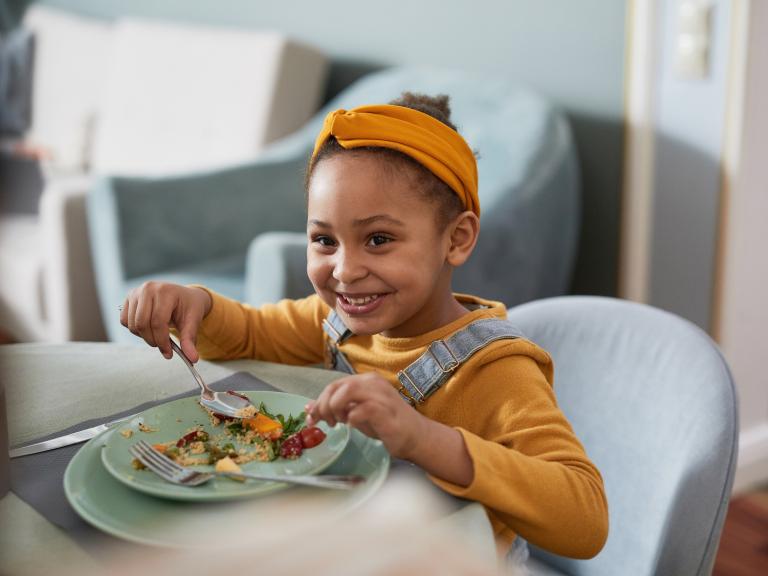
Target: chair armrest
(276, 268)
(70, 292)
(144, 227)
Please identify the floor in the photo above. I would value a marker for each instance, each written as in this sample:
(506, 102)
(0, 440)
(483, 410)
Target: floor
(744, 543)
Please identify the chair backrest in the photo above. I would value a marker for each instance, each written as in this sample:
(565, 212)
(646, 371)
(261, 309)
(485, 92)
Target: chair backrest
(652, 399)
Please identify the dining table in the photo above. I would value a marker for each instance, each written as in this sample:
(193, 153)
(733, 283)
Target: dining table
(54, 388)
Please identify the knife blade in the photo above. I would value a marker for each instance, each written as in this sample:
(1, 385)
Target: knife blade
(67, 439)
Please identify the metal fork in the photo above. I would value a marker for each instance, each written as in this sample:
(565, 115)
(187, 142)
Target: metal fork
(169, 470)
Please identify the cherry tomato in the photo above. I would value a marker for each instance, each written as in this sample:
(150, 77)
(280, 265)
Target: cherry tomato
(291, 447)
(311, 436)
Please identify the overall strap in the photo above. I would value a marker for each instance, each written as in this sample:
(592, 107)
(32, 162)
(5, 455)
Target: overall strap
(429, 371)
(335, 328)
(337, 333)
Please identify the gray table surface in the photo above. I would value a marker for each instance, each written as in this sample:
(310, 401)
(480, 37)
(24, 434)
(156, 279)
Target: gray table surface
(50, 387)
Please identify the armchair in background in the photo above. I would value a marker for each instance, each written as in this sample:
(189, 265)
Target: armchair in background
(134, 97)
(198, 228)
(653, 401)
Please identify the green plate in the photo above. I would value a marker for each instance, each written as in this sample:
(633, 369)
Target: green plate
(113, 507)
(173, 419)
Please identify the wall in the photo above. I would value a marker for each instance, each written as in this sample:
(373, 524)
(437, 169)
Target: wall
(690, 124)
(743, 313)
(572, 52)
(706, 236)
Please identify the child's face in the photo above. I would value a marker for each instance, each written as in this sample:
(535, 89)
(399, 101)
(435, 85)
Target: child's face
(375, 252)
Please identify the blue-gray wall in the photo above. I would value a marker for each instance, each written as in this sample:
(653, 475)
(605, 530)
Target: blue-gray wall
(690, 121)
(572, 52)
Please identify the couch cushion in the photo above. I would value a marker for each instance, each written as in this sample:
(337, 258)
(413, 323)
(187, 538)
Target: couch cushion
(181, 97)
(70, 64)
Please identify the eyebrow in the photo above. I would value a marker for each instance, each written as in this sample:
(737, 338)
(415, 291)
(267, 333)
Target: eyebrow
(363, 221)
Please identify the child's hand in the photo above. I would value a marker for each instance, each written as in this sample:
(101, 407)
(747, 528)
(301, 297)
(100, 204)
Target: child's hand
(153, 308)
(369, 403)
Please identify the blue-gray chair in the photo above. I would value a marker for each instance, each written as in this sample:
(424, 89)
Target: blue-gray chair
(652, 399)
(198, 228)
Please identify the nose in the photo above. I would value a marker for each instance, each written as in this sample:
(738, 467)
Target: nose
(349, 266)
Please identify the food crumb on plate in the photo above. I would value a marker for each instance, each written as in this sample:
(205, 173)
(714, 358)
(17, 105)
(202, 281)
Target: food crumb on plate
(226, 464)
(146, 428)
(127, 433)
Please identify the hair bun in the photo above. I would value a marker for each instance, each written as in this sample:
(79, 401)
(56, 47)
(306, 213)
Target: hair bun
(436, 106)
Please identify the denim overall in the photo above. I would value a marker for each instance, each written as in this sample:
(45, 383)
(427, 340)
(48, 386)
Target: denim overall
(428, 372)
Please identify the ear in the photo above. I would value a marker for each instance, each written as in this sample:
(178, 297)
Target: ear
(464, 231)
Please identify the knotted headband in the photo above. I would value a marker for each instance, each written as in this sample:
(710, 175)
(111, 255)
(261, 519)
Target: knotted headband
(433, 144)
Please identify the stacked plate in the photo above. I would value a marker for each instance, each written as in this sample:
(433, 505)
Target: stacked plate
(108, 492)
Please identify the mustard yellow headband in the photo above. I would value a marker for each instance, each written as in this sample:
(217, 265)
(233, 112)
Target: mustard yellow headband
(425, 139)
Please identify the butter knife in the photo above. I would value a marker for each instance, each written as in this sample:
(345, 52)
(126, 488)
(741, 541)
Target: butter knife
(66, 440)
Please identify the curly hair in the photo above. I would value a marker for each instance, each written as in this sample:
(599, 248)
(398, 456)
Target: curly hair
(447, 203)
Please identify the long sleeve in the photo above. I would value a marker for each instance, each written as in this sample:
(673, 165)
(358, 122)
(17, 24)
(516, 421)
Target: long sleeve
(289, 332)
(531, 472)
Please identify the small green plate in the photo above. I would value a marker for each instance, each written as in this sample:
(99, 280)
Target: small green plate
(173, 419)
(112, 507)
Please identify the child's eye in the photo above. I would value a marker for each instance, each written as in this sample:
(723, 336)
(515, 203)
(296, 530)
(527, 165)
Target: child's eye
(379, 239)
(323, 240)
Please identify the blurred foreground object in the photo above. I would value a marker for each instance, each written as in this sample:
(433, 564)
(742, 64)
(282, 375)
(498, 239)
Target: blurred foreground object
(405, 529)
(132, 97)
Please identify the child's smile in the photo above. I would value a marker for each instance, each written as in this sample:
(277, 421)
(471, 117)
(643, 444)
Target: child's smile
(358, 304)
(375, 251)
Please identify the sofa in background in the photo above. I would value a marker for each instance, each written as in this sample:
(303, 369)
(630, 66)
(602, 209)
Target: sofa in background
(133, 97)
(199, 228)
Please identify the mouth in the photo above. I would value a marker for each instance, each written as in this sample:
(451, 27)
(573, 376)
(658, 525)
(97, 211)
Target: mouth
(356, 304)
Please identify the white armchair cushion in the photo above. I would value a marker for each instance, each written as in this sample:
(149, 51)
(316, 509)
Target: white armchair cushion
(70, 64)
(181, 97)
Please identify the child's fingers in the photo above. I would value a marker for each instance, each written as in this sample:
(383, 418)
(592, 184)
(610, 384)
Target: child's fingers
(308, 412)
(156, 331)
(345, 397)
(188, 337)
(158, 326)
(320, 409)
(124, 313)
(359, 417)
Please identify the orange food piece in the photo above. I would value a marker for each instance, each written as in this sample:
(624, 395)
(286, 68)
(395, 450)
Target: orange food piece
(159, 447)
(264, 426)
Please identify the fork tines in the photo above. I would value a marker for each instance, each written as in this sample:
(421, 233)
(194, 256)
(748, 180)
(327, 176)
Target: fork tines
(154, 460)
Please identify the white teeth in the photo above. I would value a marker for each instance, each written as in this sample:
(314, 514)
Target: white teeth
(360, 301)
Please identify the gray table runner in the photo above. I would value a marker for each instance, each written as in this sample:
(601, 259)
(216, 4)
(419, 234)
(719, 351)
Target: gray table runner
(38, 479)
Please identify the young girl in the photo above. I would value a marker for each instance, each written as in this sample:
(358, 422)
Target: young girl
(440, 378)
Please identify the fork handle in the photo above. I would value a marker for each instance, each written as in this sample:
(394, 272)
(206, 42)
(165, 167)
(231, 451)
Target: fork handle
(327, 481)
(207, 392)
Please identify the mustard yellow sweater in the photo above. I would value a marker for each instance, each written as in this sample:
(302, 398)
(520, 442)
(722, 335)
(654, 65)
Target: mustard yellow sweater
(530, 471)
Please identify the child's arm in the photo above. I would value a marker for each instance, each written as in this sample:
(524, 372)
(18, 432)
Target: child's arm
(369, 403)
(212, 326)
(152, 309)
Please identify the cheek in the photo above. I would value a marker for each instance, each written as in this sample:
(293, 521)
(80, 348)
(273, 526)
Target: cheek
(318, 269)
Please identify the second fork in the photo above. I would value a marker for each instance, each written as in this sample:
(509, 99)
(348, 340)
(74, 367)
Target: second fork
(170, 471)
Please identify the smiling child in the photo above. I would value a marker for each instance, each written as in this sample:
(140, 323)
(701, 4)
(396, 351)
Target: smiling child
(440, 378)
